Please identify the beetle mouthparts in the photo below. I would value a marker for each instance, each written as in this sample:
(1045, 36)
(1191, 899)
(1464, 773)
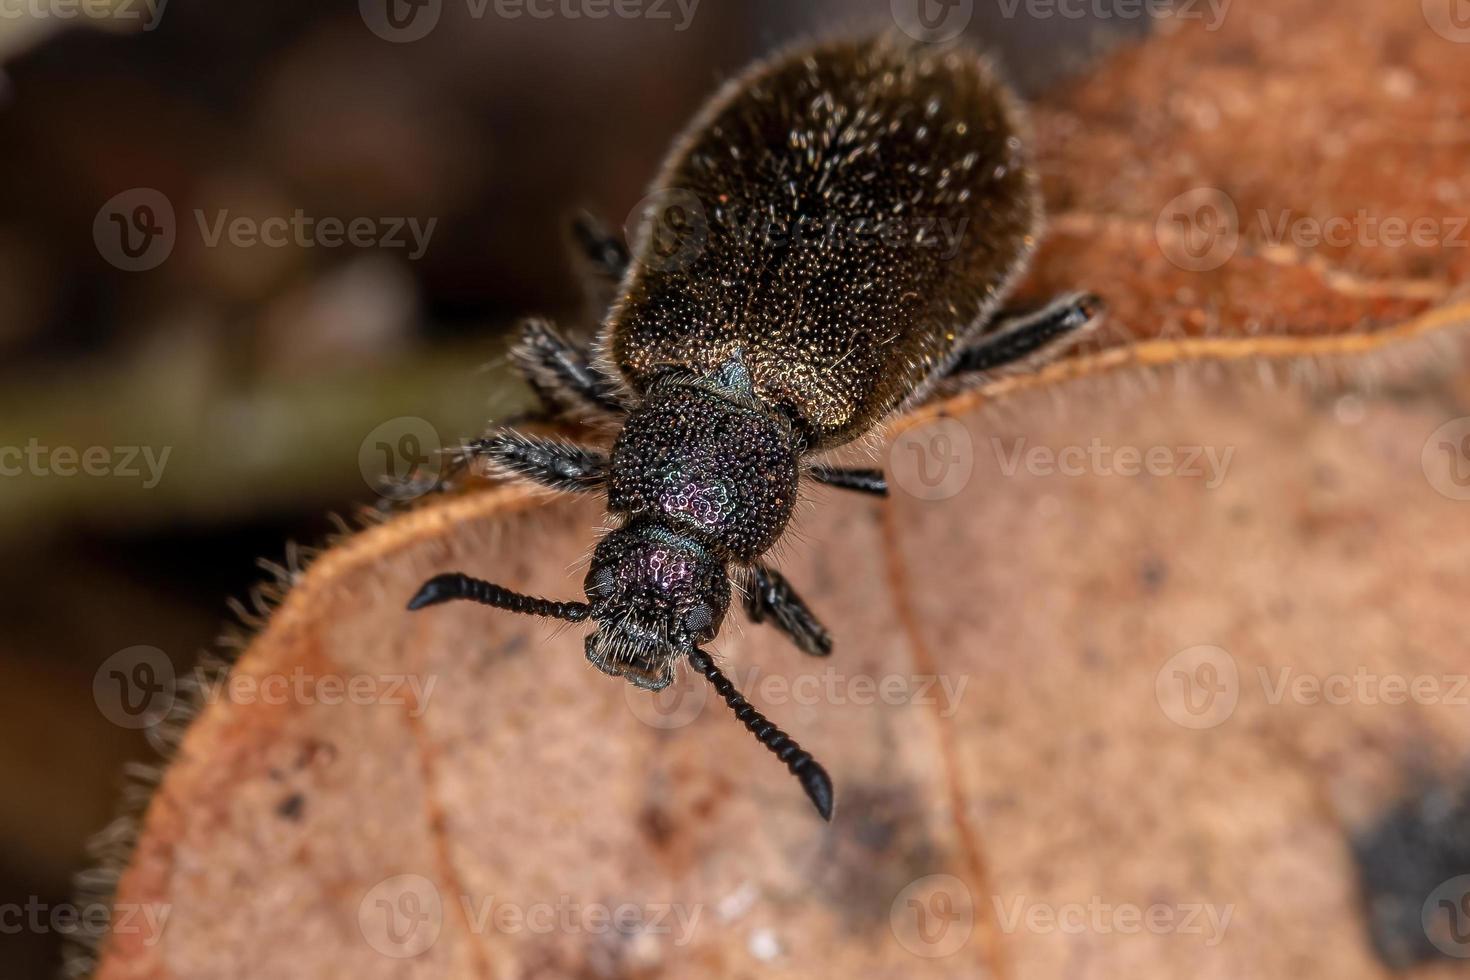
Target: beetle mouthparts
(642, 663)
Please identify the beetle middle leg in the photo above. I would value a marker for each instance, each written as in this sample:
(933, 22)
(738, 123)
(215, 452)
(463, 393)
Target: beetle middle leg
(562, 374)
(1037, 335)
(771, 595)
(603, 256)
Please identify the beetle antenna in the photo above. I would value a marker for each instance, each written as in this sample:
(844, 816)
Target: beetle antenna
(457, 585)
(814, 779)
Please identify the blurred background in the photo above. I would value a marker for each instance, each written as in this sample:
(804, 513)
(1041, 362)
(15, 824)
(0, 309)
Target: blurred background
(254, 256)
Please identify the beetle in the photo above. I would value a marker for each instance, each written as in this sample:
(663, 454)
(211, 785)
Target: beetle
(850, 217)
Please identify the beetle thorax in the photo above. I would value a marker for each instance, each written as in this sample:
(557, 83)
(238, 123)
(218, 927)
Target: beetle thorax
(723, 473)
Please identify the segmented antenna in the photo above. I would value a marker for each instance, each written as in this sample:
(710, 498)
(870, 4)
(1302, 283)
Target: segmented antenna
(455, 585)
(814, 779)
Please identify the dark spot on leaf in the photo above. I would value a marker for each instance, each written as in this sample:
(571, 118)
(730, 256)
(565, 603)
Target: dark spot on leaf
(1419, 844)
(291, 807)
(880, 844)
(1153, 573)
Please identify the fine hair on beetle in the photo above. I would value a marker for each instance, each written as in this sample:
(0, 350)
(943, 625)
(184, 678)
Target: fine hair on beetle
(853, 214)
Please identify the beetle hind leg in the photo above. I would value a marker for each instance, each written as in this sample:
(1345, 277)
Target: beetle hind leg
(1029, 338)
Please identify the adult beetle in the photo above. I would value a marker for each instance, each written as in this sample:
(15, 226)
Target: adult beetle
(854, 215)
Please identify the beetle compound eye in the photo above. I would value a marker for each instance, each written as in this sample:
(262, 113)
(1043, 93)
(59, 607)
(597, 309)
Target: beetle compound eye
(699, 619)
(600, 586)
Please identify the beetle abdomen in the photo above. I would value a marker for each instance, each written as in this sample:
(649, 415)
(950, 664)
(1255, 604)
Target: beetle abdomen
(856, 207)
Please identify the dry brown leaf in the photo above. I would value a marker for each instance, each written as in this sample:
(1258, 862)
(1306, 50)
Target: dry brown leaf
(527, 787)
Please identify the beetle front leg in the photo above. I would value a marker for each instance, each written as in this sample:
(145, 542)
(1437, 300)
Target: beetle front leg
(771, 595)
(552, 464)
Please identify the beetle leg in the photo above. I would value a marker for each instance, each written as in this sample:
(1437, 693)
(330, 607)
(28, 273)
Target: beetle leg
(1038, 335)
(862, 480)
(605, 257)
(562, 374)
(771, 595)
(556, 465)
